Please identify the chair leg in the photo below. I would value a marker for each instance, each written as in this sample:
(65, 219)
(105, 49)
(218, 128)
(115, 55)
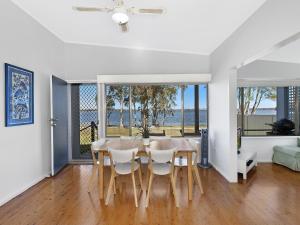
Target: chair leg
(174, 190)
(175, 174)
(110, 187)
(147, 179)
(92, 178)
(134, 189)
(181, 172)
(140, 177)
(115, 189)
(198, 178)
(149, 187)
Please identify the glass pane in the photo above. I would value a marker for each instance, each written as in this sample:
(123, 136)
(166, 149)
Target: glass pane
(117, 110)
(203, 106)
(189, 109)
(159, 107)
(260, 110)
(155, 109)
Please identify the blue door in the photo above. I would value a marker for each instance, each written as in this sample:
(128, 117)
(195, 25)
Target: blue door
(59, 124)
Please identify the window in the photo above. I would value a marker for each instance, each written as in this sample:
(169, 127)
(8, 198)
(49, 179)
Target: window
(259, 108)
(155, 109)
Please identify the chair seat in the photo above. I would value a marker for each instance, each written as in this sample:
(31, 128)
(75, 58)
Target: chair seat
(161, 168)
(125, 168)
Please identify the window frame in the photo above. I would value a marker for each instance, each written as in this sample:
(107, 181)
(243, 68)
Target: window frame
(130, 85)
(241, 95)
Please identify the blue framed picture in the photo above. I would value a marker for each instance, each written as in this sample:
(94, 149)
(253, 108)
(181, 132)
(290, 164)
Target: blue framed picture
(19, 96)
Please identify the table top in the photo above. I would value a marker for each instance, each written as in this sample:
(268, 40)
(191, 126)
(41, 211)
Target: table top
(182, 144)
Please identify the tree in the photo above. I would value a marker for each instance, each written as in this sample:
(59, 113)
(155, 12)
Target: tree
(253, 97)
(167, 101)
(120, 94)
(110, 104)
(150, 100)
(143, 94)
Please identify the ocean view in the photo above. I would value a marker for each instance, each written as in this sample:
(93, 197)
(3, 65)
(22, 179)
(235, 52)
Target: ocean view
(170, 120)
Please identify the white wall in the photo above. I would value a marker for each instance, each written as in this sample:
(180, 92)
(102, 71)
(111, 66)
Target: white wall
(276, 20)
(262, 73)
(25, 150)
(264, 145)
(84, 62)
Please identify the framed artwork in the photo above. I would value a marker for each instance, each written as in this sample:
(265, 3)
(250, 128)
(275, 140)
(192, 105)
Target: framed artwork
(19, 96)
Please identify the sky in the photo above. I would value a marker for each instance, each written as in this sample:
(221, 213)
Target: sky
(267, 103)
(88, 93)
(189, 97)
(91, 92)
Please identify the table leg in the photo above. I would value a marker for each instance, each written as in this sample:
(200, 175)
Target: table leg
(101, 174)
(190, 175)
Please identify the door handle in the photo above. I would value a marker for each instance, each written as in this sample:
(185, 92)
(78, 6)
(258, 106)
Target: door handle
(53, 120)
(53, 124)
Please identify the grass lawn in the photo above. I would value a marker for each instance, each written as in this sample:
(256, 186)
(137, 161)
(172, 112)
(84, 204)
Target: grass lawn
(85, 135)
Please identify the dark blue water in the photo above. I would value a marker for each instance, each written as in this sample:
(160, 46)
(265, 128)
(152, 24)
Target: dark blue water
(170, 120)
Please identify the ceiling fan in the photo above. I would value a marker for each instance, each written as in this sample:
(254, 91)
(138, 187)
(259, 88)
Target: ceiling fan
(120, 12)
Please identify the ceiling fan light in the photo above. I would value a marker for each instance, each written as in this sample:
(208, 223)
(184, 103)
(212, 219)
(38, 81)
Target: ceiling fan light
(120, 17)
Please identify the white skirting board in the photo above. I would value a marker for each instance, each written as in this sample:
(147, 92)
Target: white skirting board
(9, 197)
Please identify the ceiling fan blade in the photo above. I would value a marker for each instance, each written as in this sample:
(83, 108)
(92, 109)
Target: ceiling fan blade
(91, 9)
(124, 27)
(151, 11)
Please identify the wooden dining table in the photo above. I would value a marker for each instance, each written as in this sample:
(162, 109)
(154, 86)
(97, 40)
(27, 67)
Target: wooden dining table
(183, 147)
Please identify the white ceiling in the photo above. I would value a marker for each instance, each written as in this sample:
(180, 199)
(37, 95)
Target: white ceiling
(190, 26)
(289, 53)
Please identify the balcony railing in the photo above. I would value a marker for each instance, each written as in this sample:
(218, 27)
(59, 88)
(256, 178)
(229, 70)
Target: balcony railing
(88, 134)
(256, 125)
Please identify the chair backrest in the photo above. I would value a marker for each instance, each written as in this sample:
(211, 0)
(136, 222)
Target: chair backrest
(96, 145)
(154, 145)
(131, 137)
(122, 156)
(162, 156)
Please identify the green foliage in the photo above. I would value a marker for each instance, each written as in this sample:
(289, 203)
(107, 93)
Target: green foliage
(150, 100)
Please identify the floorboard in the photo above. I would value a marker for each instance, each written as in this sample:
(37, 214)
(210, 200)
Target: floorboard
(271, 195)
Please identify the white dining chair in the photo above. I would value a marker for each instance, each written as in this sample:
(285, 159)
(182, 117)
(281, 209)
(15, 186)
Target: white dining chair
(133, 138)
(123, 163)
(181, 162)
(161, 163)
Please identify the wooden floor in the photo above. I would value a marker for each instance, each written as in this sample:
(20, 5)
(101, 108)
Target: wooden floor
(270, 196)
